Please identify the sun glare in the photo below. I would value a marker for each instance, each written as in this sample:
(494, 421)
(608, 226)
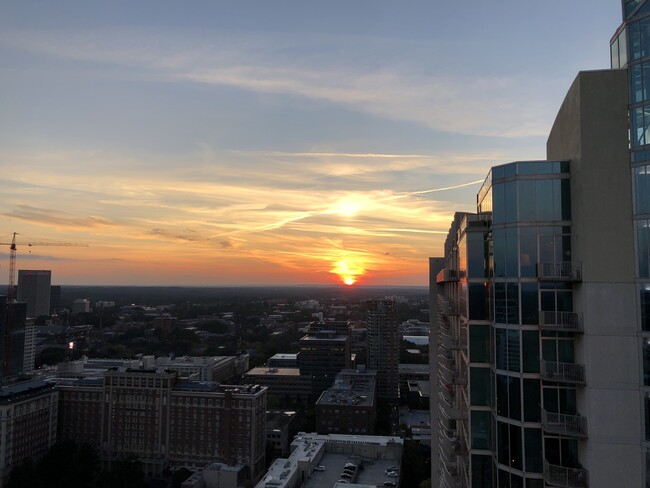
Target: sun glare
(349, 206)
(348, 270)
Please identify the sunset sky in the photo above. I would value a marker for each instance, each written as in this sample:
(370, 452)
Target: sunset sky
(270, 142)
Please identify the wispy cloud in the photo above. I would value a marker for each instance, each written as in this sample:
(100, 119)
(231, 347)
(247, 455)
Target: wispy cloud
(466, 104)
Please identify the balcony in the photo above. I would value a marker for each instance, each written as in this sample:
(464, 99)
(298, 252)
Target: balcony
(451, 412)
(447, 275)
(448, 306)
(566, 271)
(562, 424)
(555, 475)
(560, 321)
(563, 372)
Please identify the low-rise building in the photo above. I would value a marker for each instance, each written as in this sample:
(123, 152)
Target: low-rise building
(287, 385)
(281, 426)
(348, 407)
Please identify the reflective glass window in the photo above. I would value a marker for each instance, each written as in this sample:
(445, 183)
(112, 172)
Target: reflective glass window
(544, 199)
(516, 460)
(475, 255)
(532, 400)
(502, 395)
(614, 54)
(479, 386)
(500, 302)
(527, 202)
(481, 429)
(530, 344)
(503, 443)
(643, 247)
(646, 361)
(647, 417)
(642, 188)
(644, 33)
(512, 292)
(479, 343)
(514, 353)
(499, 252)
(499, 203)
(645, 307)
(514, 397)
(533, 443)
(481, 471)
(635, 40)
(478, 301)
(510, 201)
(636, 83)
(512, 252)
(529, 303)
(528, 254)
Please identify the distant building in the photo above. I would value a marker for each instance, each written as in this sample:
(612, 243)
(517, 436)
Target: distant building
(166, 422)
(55, 299)
(317, 461)
(286, 384)
(383, 347)
(165, 323)
(281, 426)
(81, 305)
(206, 368)
(349, 406)
(282, 360)
(13, 323)
(28, 422)
(34, 290)
(324, 352)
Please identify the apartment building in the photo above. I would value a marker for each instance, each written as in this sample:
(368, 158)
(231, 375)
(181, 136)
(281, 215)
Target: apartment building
(383, 347)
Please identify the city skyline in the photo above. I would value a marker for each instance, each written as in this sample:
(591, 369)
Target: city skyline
(270, 144)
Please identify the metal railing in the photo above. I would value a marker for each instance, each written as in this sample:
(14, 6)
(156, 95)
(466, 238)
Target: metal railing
(565, 477)
(562, 321)
(563, 424)
(563, 372)
(566, 271)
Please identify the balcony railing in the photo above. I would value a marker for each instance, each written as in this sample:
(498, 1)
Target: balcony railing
(566, 271)
(448, 306)
(562, 424)
(447, 275)
(555, 475)
(563, 372)
(561, 321)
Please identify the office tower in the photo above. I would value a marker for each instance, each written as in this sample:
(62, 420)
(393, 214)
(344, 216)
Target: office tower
(14, 346)
(383, 347)
(538, 350)
(324, 352)
(28, 413)
(166, 421)
(34, 290)
(55, 299)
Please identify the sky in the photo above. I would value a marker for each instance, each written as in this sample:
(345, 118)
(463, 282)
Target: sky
(214, 142)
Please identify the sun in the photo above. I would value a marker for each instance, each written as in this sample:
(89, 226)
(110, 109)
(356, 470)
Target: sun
(348, 270)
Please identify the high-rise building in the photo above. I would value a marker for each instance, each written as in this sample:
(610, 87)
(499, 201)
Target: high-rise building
(34, 290)
(536, 341)
(55, 299)
(324, 352)
(383, 347)
(14, 346)
(630, 50)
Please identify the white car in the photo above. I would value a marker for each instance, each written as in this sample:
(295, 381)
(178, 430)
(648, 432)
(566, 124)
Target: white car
(319, 468)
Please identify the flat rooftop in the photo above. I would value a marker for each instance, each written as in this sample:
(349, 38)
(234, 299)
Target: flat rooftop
(262, 371)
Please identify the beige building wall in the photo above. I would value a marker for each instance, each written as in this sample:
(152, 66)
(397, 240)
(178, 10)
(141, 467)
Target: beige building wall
(591, 130)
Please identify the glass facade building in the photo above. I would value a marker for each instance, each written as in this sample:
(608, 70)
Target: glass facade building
(537, 346)
(630, 49)
(509, 271)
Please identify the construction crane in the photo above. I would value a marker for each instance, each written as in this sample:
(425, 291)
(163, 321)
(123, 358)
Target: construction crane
(11, 291)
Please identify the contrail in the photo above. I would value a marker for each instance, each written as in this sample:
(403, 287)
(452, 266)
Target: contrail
(422, 192)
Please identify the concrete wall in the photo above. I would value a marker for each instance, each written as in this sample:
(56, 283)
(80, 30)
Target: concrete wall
(591, 131)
